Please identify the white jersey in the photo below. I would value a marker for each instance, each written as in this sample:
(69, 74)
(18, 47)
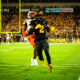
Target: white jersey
(28, 21)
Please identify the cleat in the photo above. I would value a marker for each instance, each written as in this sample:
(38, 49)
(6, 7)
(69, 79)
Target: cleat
(32, 62)
(43, 63)
(35, 62)
(50, 67)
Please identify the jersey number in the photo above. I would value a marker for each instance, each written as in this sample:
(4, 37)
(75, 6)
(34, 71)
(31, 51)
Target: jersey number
(40, 27)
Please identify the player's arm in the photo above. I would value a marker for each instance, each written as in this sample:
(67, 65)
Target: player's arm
(32, 29)
(49, 29)
(25, 25)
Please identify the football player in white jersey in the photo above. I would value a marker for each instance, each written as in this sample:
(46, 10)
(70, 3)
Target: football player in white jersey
(31, 37)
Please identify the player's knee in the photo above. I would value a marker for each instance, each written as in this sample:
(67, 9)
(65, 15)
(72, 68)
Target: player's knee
(47, 53)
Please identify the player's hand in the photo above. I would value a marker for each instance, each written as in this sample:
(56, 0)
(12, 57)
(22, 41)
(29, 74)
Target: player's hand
(26, 33)
(51, 29)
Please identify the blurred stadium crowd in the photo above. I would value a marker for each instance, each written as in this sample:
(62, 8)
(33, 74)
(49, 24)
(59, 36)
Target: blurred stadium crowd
(10, 22)
(63, 23)
(66, 25)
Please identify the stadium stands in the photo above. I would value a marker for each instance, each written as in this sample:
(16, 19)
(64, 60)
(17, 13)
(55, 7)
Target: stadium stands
(10, 22)
(66, 25)
(63, 24)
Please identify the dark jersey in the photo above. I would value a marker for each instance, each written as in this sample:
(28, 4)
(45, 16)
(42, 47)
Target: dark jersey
(39, 28)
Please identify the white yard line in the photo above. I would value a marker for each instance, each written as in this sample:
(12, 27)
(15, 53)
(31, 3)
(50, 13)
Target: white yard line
(22, 43)
(10, 65)
(4, 50)
(66, 66)
(17, 54)
(58, 59)
(79, 77)
(70, 64)
(38, 65)
(15, 48)
(21, 47)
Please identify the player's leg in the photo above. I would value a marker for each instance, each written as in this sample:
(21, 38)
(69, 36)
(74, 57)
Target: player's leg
(46, 49)
(34, 57)
(39, 51)
(35, 53)
(33, 60)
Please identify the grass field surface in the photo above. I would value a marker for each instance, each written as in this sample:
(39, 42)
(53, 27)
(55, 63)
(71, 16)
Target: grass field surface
(15, 62)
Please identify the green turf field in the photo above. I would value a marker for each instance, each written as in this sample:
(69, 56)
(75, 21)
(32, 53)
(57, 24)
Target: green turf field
(15, 62)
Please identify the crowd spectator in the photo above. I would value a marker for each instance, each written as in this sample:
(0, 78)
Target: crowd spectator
(64, 24)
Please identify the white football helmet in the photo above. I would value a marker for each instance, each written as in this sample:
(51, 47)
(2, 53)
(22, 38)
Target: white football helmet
(29, 15)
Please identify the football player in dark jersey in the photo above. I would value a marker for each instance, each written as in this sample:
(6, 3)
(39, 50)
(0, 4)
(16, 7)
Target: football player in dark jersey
(39, 28)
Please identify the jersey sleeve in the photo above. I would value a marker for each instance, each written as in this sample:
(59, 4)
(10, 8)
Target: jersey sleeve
(32, 23)
(31, 31)
(25, 25)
